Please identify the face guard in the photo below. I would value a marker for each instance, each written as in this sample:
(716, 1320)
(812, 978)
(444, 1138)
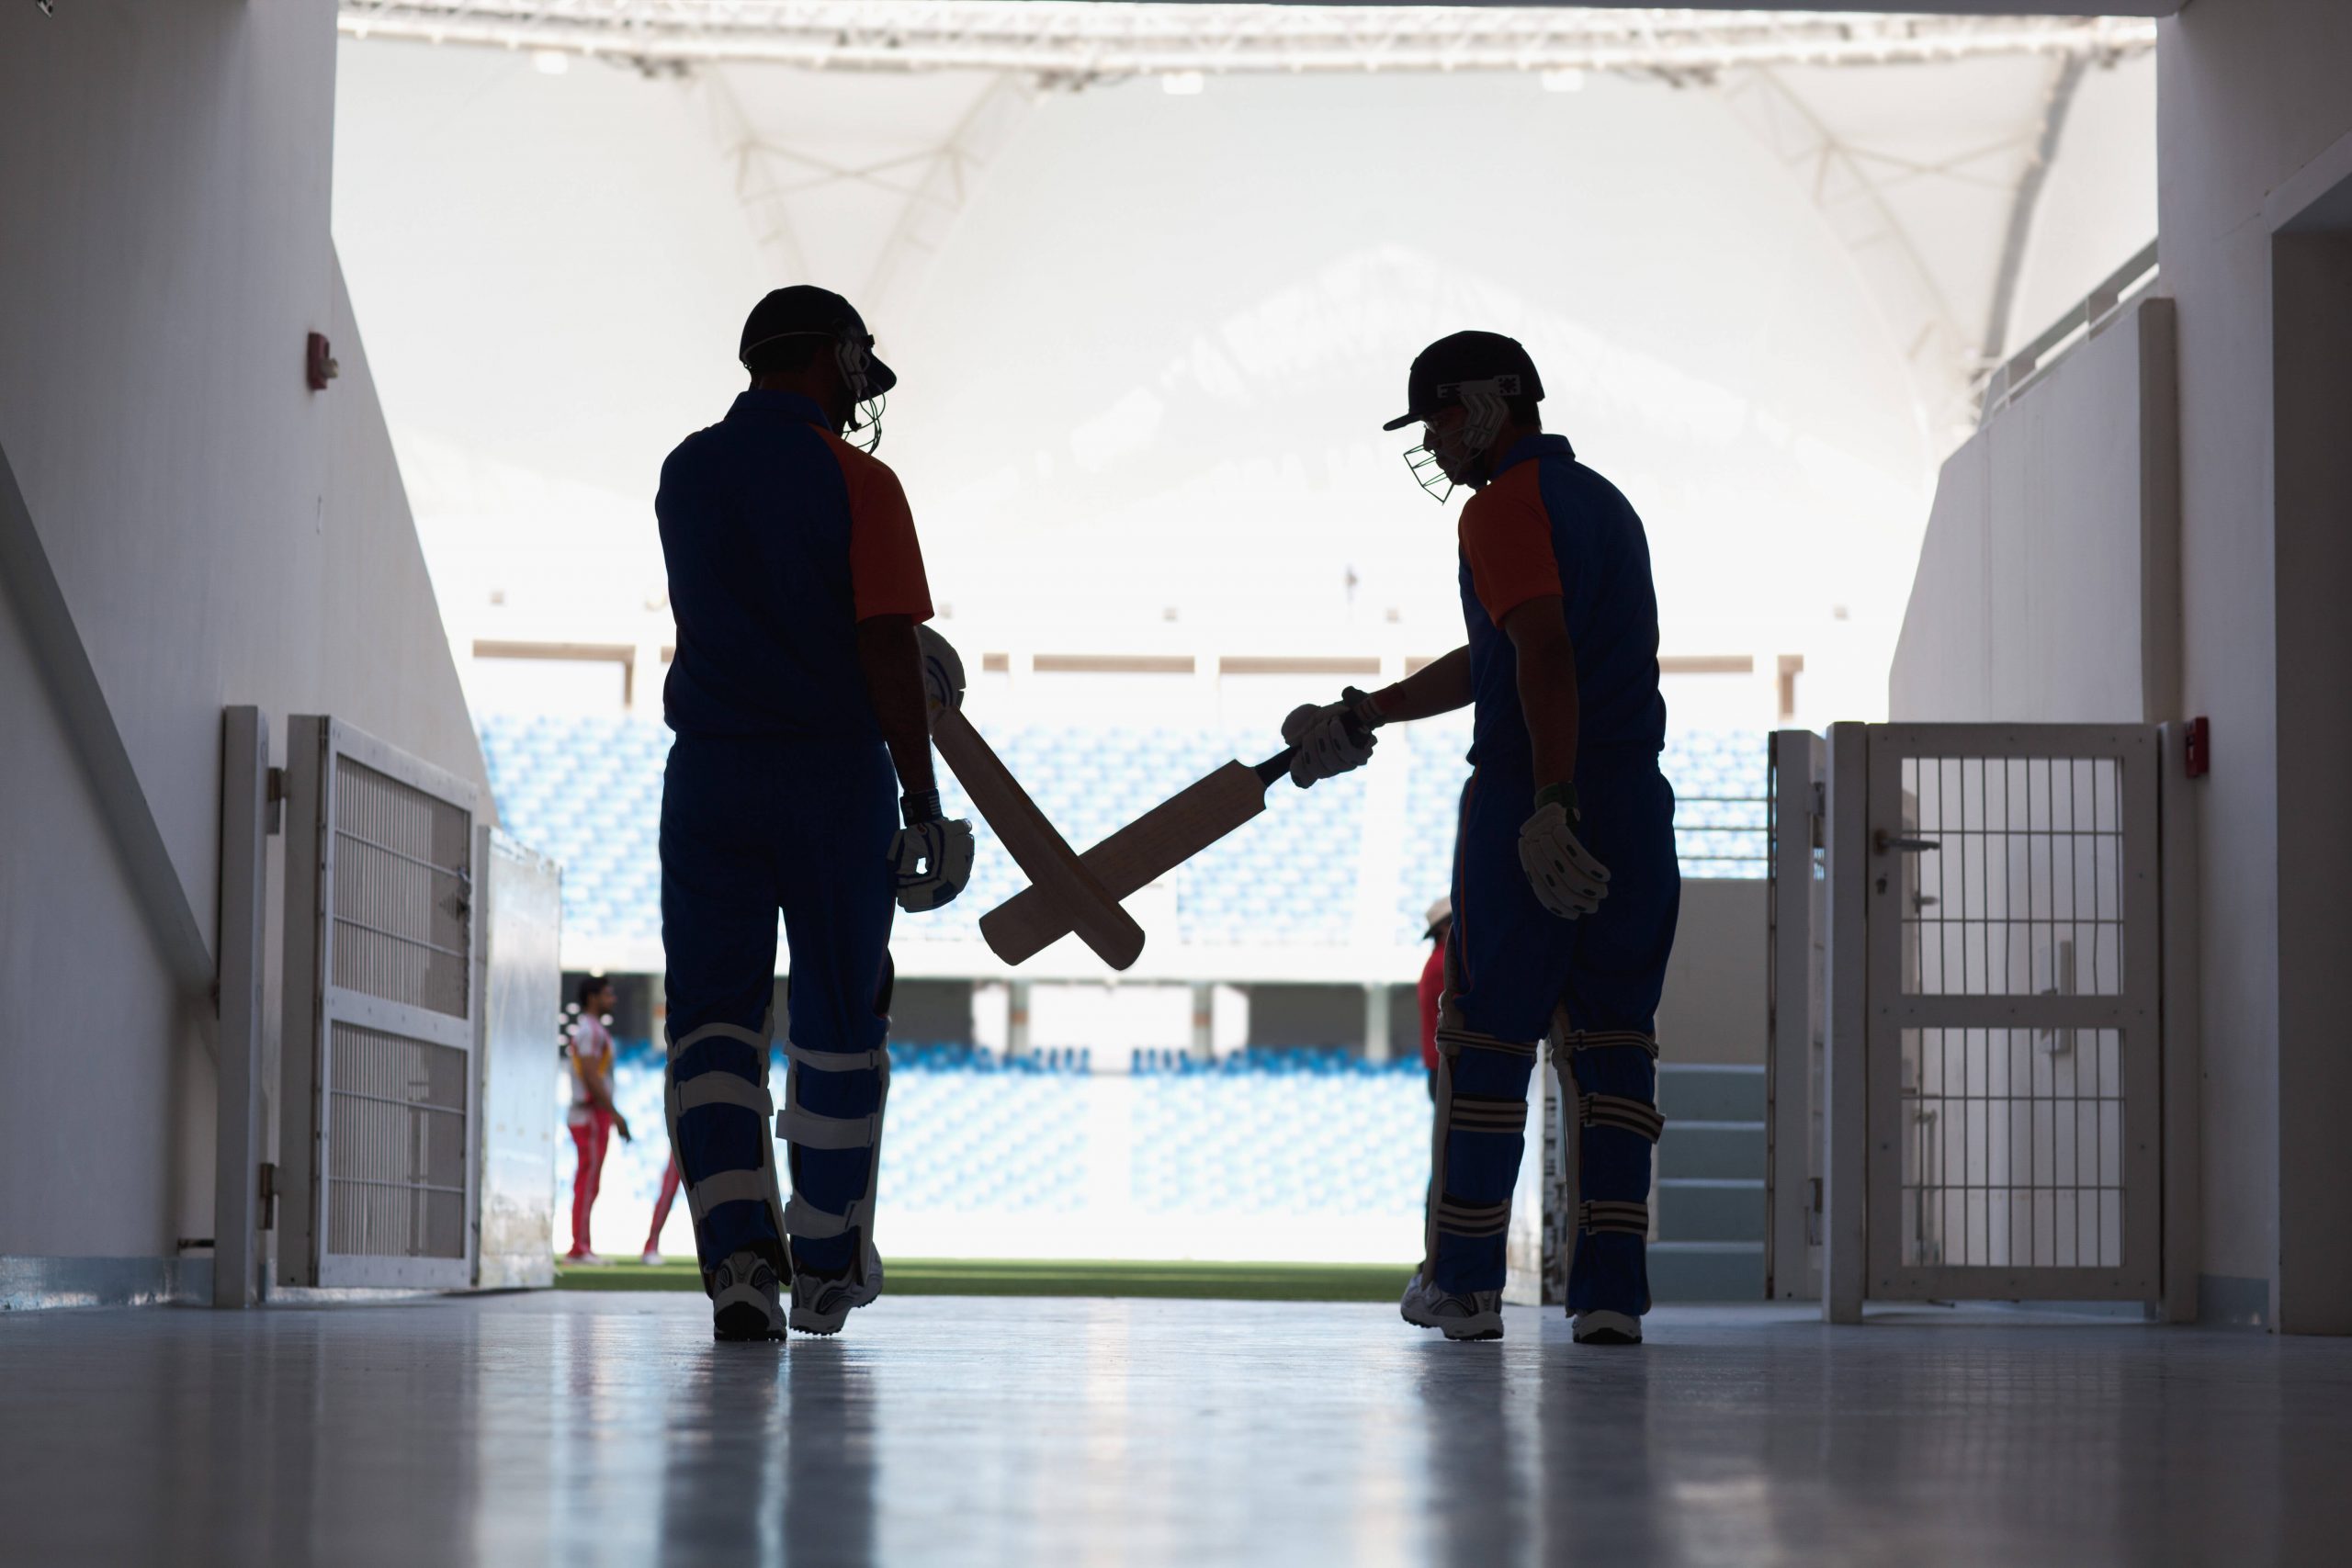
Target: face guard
(855, 357)
(1464, 449)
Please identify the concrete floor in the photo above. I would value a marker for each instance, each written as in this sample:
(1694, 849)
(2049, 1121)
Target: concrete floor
(591, 1428)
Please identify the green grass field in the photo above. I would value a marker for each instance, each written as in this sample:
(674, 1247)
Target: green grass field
(1024, 1277)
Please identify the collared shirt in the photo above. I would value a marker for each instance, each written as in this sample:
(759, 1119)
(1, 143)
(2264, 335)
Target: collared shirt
(1544, 525)
(591, 1066)
(780, 538)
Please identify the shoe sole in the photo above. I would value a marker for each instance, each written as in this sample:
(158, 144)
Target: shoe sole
(1616, 1328)
(1481, 1326)
(743, 1325)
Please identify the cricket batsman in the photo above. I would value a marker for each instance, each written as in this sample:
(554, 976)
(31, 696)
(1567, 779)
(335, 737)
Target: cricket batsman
(800, 779)
(1565, 885)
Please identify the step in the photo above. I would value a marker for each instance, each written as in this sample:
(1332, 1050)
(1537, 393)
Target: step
(1710, 1209)
(1712, 1149)
(1704, 1092)
(1706, 1271)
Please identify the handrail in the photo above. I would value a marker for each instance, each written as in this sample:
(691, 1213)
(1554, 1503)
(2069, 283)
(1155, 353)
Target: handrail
(2078, 323)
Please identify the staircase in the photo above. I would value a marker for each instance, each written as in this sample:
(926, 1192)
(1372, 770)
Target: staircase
(1710, 1198)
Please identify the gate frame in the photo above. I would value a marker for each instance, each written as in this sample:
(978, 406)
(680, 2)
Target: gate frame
(2161, 934)
(313, 1003)
(2135, 1011)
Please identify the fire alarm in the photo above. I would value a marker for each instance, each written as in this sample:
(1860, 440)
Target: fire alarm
(319, 363)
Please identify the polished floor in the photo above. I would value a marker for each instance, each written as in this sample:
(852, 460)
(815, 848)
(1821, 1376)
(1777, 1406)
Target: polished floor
(594, 1428)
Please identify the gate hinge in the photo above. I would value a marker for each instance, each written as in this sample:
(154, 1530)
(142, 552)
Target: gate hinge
(268, 1189)
(273, 811)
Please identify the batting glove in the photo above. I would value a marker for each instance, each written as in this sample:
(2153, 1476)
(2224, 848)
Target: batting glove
(931, 857)
(1331, 738)
(1567, 879)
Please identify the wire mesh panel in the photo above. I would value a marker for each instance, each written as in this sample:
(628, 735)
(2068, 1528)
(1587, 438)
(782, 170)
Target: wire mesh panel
(2013, 875)
(396, 1174)
(376, 1149)
(2013, 1041)
(402, 891)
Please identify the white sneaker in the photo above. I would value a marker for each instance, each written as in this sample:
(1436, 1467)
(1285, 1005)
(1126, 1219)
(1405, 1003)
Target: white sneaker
(584, 1259)
(1478, 1315)
(821, 1304)
(653, 1258)
(1608, 1329)
(745, 1300)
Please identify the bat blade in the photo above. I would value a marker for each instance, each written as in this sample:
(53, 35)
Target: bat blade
(1064, 885)
(1137, 856)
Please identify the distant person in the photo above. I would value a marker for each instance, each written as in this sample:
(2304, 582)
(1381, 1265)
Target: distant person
(1567, 807)
(652, 1257)
(595, 1118)
(1432, 984)
(797, 697)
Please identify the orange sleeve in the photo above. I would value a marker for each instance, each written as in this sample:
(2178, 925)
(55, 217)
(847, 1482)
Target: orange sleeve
(1507, 539)
(884, 557)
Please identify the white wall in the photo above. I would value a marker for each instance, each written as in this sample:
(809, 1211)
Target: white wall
(2029, 588)
(221, 534)
(2047, 587)
(1713, 1010)
(2249, 92)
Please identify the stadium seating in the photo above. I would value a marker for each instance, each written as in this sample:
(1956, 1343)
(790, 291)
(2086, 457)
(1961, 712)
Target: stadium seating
(588, 790)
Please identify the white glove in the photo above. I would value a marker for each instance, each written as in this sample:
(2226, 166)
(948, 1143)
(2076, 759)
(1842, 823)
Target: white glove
(1567, 879)
(1330, 738)
(931, 858)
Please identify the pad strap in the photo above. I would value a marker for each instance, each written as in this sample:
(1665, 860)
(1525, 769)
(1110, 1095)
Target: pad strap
(757, 1039)
(1454, 1042)
(837, 1061)
(729, 1187)
(1485, 1113)
(807, 1130)
(724, 1088)
(1602, 1039)
(1455, 1217)
(1596, 1216)
(1622, 1112)
(806, 1222)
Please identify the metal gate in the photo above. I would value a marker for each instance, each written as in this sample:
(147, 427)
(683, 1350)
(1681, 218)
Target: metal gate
(378, 1155)
(2013, 975)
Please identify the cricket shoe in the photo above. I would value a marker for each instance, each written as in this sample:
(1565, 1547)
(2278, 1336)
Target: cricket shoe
(823, 1302)
(1608, 1329)
(746, 1301)
(1475, 1316)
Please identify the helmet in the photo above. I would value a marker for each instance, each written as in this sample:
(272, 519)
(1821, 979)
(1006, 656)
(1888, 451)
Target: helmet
(1477, 370)
(805, 310)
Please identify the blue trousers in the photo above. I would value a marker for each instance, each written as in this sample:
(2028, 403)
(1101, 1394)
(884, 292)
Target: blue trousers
(752, 826)
(1511, 964)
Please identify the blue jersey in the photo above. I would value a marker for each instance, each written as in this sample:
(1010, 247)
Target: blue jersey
(780, 538)
(1547, 524)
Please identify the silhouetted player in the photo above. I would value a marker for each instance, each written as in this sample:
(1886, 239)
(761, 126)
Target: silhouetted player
(1567, 807)
(798, 696)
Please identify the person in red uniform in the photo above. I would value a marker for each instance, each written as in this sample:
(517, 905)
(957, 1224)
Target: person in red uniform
(595, 1118)
(1432, 984)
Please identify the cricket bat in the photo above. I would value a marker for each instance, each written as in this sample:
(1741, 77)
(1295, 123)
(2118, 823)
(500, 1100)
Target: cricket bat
(1063, 888)
(1140, 853)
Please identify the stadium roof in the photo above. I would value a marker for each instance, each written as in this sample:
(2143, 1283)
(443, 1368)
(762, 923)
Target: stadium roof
(1936, 198)
(1082, 40)
(1136, 315)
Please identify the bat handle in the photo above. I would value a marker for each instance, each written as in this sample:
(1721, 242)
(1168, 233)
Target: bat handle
(1275, 766)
